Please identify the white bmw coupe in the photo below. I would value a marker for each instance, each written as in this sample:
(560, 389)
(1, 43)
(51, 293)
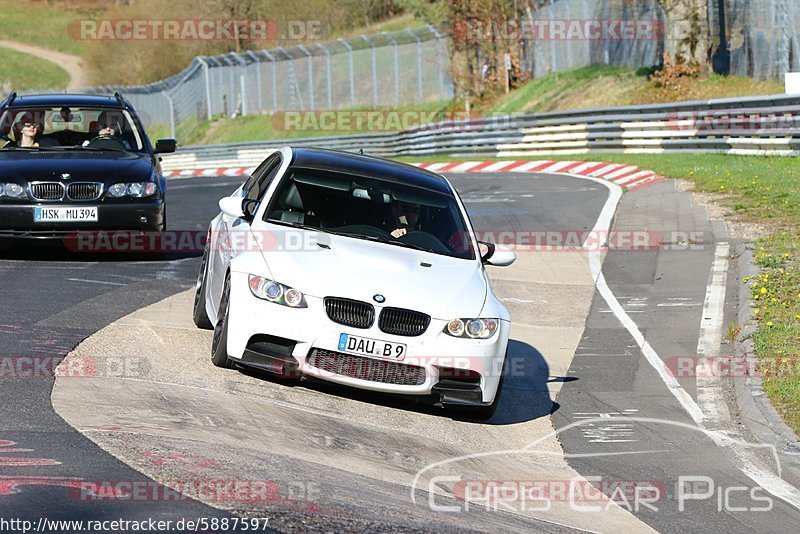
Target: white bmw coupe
(359, 271)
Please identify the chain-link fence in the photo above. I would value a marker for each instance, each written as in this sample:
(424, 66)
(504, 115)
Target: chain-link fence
(554, 54)
(761, 36)
(387, 69)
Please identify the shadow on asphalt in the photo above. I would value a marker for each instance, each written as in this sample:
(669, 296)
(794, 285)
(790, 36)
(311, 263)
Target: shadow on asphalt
(524, 397)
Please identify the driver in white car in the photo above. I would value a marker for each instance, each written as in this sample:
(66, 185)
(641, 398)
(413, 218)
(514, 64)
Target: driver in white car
(405, 216)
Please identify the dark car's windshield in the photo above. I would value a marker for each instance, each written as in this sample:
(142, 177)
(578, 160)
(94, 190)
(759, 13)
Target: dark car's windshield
(70, 127)
(372, 209)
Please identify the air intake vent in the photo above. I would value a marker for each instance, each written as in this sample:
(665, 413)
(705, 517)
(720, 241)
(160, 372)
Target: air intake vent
(383, 371)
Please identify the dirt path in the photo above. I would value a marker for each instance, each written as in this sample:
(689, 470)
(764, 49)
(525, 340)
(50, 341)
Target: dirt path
(72, 64)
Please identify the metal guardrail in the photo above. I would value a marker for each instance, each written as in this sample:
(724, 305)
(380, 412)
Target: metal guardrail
(745, 126)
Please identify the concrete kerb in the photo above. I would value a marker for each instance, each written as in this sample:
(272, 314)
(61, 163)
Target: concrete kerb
(757, 412)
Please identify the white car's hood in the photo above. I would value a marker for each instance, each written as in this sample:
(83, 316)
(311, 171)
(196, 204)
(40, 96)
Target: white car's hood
(359, 269)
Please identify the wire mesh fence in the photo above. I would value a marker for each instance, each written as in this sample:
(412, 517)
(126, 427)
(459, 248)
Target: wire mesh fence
(387, 69)
(761, 36)
(553, 54)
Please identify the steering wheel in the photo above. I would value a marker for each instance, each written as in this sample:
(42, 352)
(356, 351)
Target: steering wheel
(107, 141)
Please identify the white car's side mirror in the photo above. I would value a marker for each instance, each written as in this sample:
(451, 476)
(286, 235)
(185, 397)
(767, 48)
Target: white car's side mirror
(231, 206)
(497, 255)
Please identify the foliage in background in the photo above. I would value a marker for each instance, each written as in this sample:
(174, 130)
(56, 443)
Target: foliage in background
(148, 61)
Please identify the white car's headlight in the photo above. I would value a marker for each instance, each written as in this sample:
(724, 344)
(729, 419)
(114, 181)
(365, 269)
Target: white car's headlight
(276, 292)
(472, 328)
(11, 190)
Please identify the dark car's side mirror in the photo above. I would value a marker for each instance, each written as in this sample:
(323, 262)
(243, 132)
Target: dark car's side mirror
(165, 146)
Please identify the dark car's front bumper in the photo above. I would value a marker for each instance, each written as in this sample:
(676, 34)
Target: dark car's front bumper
(16, 220)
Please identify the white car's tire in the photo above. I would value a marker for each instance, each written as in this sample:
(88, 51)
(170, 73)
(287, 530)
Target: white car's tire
(199, 314)
(219, 344)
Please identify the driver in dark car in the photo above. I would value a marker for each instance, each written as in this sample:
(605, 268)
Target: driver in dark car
(109, 126)
(404, 216)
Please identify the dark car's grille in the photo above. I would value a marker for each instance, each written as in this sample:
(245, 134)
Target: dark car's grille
(383, 371)
(402, 322)
(350, 312)
(47, 191)
(84, 191)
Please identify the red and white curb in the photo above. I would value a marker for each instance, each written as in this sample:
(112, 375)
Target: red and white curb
(629, 176)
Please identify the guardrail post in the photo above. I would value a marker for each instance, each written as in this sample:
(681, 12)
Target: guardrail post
(327, 73)
(257, 63)
(242, 81)
(439, 51)
(396, 68)
(274, 81)
(419, 63)
(206, 75)
(311, 100)
(171, 114)
(352, 77)
(374, 70)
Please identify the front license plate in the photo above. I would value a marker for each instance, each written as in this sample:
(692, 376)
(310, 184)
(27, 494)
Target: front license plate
(371, 347)
(65, 214)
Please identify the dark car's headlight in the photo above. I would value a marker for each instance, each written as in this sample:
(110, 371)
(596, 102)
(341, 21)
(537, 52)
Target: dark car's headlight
(472, 328)
(266, 289)
(11, 190)
(133, 189)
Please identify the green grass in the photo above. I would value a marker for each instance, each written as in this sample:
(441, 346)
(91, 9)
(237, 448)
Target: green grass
(573, 89)
(268, 127)
(24, 71)
(42, 24)
(776, 297)
(603, 86)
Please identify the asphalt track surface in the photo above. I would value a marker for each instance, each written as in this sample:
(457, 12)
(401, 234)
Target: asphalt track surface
(50, 302)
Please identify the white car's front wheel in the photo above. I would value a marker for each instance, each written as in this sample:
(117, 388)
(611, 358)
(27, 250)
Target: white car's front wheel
(199, 314)
(219, 344)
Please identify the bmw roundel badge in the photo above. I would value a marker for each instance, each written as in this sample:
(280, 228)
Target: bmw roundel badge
(379, 298)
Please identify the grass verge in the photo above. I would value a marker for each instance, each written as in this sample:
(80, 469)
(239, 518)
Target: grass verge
(30, 72)
(45, 24)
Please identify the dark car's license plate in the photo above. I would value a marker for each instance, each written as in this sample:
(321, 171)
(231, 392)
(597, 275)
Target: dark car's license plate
(65, 214)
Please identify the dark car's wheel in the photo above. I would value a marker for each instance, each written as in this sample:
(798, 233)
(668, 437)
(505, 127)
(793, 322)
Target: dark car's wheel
(219, 345)
(199, 314)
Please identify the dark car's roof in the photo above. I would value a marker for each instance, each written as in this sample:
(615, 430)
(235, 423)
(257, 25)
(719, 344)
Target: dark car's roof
(72, 100)
(369, 166)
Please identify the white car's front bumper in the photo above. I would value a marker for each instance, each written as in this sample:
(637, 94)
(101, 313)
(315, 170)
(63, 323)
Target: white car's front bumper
(257, 325)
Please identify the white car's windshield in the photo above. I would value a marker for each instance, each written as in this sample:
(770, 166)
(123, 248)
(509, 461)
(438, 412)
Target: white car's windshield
(373, 209)
(71, 127)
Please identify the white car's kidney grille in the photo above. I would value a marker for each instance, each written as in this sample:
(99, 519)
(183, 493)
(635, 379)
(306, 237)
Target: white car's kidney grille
(84, 191)
(382, 371)
(350, 312)
(47, 191)
(402, 322)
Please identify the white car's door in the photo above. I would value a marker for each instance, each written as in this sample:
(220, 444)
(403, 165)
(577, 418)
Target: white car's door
(229, 236)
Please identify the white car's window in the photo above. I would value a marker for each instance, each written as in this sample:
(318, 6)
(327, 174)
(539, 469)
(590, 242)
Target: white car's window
(368, 208)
